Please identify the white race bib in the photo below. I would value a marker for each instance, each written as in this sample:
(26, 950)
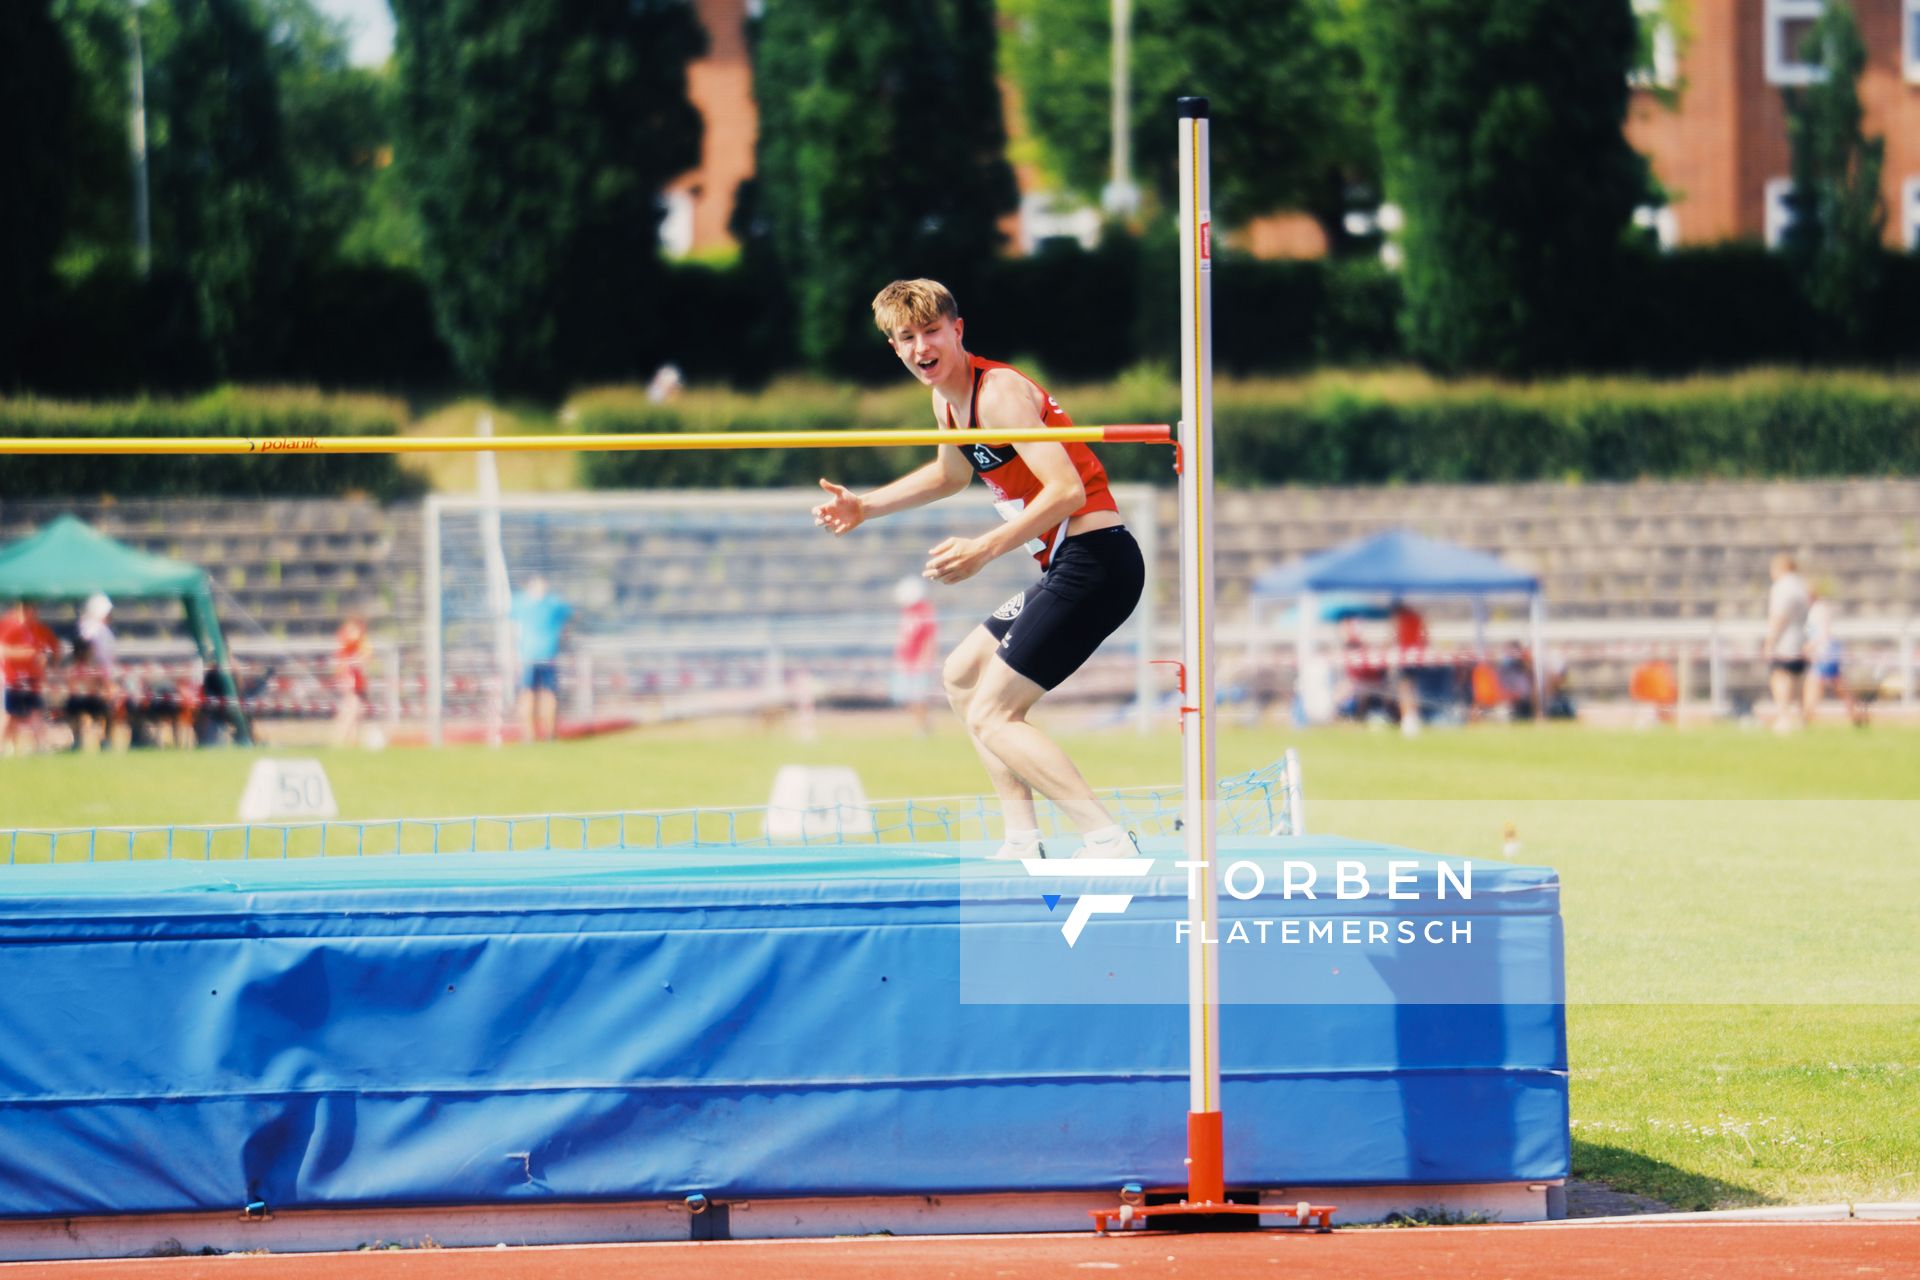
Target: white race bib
(1010, 509)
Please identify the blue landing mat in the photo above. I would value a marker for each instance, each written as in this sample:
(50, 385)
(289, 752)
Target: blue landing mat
(562, 1027)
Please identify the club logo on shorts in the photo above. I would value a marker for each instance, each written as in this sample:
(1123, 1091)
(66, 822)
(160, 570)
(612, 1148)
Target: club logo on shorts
(1011, 609)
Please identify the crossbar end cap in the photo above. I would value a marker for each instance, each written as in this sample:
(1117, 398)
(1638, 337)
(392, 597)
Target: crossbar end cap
(1192, 108)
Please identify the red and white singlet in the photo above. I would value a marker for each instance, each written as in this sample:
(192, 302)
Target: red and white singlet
(1013, 484)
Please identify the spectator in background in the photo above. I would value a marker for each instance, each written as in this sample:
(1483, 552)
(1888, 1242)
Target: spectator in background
(539, 619)
(1787, 603)
(1823, 653)
(352, 651)
(1517, 678)
(157, 715)
(86, 703)
(1409, 639)
(95, 632)
(666, 385)
(25, 648)
(1366, 674)
(914, 653)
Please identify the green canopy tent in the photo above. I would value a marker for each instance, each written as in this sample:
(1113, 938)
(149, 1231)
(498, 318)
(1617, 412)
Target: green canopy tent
(70, 560)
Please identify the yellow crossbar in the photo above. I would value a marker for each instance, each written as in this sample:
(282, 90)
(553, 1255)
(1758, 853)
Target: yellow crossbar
(1134, 433)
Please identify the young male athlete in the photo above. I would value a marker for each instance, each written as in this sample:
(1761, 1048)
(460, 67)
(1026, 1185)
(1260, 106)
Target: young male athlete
(1055, 502)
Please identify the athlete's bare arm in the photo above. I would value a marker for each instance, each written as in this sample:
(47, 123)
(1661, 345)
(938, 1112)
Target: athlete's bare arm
(844, 510)
(1010, 402)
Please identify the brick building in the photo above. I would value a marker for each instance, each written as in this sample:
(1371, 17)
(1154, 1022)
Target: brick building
(1721, 149)
(1708, 115)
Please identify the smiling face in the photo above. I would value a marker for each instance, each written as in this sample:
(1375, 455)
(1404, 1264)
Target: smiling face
(931, 352)
(922, 324)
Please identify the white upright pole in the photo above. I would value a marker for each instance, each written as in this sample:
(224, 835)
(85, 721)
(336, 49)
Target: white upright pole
(499, 586)
(436, 656)
(1206, 1177)
(1121, 199)
(137, 143)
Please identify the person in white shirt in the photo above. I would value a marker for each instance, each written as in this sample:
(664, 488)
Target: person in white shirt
(1787, 603)
(103, 704)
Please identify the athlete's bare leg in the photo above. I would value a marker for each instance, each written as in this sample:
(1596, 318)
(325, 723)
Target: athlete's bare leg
(997, 718)
(961, 677)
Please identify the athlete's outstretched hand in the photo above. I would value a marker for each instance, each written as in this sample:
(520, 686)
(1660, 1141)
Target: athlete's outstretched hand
(841, 512)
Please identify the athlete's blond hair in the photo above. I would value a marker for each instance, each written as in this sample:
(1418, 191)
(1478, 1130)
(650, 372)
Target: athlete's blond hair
(913, 303)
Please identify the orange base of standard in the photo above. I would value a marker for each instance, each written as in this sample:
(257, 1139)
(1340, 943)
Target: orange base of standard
(1206, 1158)
(1320, 1215)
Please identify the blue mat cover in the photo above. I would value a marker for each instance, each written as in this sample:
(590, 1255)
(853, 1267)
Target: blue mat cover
(555, 1027)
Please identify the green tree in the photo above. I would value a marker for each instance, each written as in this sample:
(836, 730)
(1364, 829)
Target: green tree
(37, 108)
(1833, 238)
(222, 191)
(387, 228)
(881, 155)
(99, 221)
(1289, 103)
(537, 135)
(1501, 132)
(334, 123)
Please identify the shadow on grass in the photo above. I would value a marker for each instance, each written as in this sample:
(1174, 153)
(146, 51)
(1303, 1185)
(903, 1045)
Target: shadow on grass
(1638, 1174)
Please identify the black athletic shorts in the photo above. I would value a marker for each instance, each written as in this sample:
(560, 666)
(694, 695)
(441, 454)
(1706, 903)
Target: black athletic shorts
(1792, 666)
(1091, 587)
(20, 702)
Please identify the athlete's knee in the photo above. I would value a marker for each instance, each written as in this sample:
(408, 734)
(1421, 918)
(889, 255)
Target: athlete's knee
(987, 716)
(958, 676)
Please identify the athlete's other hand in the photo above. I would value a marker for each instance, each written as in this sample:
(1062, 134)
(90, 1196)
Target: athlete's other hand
(957, 559)
(841, 512)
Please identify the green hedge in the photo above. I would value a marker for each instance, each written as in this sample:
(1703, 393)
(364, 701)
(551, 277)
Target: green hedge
(1368, 429)
(228, 412)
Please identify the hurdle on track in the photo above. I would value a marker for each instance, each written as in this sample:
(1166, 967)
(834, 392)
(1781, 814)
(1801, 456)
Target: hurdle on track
(1193, 443)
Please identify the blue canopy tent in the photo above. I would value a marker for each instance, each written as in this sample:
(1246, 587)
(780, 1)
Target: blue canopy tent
(1396, 563)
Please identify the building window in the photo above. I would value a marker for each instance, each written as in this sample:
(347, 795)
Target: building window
(1779, 211)
(1910, 40)
(1910, 215)
(1661, 222)
(1788, 23)
(1660, 55)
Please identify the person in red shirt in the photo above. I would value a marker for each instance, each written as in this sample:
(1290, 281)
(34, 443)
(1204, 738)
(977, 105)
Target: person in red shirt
(1409, 639)
(351, 652)
(1056, 505)
(914, 653)
(25, 648)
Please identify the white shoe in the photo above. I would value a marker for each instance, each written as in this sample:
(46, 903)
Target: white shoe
(1129, 849)
(1011, 852)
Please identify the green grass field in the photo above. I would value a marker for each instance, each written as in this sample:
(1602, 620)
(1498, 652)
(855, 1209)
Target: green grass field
(1742, 950)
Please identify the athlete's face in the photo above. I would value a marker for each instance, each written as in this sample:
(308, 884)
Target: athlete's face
(931, 351)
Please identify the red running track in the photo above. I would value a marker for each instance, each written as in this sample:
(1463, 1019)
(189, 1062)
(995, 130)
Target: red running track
(1560, 1251)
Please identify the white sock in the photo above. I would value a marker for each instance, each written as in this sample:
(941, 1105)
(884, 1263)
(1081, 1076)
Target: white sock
(1025, 838)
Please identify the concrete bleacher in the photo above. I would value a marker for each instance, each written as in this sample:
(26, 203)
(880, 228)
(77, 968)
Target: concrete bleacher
(290, 571)
(1611, 551)
(282, 570)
